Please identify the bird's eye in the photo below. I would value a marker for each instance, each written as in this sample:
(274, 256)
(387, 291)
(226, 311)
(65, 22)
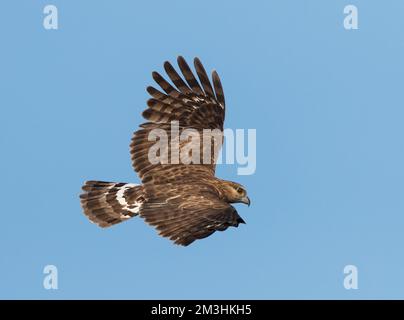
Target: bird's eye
(240, 190)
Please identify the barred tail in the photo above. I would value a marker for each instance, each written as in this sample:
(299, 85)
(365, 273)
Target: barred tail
(109, 203)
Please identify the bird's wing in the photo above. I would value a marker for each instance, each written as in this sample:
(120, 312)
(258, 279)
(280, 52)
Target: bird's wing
(187, 212)
(192, 106)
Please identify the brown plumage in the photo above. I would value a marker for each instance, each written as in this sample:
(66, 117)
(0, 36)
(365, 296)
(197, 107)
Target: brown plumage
(184, 202)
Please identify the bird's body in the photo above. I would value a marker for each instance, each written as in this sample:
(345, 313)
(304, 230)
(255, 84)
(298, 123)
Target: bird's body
(183, 200)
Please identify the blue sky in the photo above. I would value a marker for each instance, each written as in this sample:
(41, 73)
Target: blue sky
(327, 105)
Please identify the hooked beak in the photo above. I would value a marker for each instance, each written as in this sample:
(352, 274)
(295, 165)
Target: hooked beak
(246, 200)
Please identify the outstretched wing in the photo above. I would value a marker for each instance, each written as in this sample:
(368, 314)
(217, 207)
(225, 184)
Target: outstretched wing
(181, 199)
(187, 212)
(192, 106)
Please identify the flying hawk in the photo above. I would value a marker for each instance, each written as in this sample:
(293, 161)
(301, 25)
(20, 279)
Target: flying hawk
(184, 202)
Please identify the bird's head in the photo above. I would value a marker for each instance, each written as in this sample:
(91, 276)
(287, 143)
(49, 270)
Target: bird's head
(235, 192)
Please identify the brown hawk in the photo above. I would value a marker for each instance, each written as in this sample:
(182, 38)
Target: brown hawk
(184, 202)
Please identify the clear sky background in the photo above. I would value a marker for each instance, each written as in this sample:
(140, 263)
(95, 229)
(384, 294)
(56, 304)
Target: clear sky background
(327, 105)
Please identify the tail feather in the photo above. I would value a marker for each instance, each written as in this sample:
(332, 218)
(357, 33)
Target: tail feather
(109, 203)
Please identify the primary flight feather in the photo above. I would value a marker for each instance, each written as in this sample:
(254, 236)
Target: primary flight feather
(183, 201)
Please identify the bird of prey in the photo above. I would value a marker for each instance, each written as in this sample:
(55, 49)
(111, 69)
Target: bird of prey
(183, 201)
